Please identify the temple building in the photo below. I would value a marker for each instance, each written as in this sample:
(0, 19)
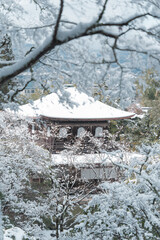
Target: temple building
(61, 121)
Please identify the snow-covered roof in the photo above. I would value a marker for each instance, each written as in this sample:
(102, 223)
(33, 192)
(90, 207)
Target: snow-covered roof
(78, 106)
(107, 159)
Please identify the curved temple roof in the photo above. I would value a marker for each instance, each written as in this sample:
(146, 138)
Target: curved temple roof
(79, 107)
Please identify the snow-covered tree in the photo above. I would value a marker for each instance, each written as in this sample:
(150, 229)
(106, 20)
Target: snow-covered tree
(127, 209)
(66, 41)
(6, 55)
(36, 194)
(19, 160)
(83, 43)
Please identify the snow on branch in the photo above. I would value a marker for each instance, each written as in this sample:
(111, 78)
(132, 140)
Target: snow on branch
(127, 21)
(59, 37)
(49, 44)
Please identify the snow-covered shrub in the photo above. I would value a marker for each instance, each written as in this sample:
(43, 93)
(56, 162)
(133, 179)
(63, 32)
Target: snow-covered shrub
(129, 209)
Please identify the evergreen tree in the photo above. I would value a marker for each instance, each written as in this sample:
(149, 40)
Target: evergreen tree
(6, 54)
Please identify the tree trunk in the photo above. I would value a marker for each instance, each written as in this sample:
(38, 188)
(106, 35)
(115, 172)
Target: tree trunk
(57, 225)
(61, 223)
(1, 228)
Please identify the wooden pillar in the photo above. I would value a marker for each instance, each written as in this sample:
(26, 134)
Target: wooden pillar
(93, 130)
(74, 131)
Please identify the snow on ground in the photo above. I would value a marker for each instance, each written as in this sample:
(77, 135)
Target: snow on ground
(15, 232)
(18, 234)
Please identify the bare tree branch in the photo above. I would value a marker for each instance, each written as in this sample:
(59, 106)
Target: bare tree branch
(58, 20)
(102, 12)
(129, 20)
(20, 90)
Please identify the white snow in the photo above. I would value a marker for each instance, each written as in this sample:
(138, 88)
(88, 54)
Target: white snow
(83, 107)
(106, 158)
(19, 65)
(18, 234)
